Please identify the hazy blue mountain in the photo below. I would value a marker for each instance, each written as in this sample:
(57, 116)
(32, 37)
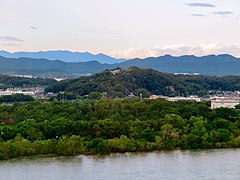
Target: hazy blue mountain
(41, 67)
(66, 56)
(219, 65)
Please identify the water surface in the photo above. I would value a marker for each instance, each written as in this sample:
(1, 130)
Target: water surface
(178, 164)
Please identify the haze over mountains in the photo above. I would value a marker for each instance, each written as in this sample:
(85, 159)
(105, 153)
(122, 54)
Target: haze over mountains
(218, 65)
(64, 55)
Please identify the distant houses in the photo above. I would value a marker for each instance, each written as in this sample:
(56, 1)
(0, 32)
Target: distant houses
(15, 91)
(35, 92)
(224, 102)
(190, 98)
(216, 101)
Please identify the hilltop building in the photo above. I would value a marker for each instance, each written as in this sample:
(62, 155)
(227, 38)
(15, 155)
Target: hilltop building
(119, 70)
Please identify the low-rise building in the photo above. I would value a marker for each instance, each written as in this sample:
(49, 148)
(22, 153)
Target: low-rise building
(154, 96)
(36, 92)
(119, 70)
(224, 102)
(190, 98)
(5, 93)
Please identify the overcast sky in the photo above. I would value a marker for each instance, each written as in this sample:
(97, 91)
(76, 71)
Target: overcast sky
(122, 28)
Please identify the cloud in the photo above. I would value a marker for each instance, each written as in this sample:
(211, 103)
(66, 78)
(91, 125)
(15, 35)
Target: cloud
(201, 5)
(10, 44)
(178, 50)
(131, 53)
(89, 31)
(10, 38)
(33, 27)
(198, 15)
(224, 13)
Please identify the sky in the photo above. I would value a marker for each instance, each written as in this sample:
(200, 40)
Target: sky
(122, 28)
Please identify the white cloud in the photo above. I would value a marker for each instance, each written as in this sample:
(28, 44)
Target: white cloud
(33, 27)
(224, 13)
(10, 44)
(198, 15)
(177, 50)
(10, 38)
(201, 5)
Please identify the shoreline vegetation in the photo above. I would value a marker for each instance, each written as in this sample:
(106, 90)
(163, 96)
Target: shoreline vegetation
(38, 129)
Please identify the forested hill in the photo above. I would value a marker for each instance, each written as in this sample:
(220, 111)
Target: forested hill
(146, 81)
(13, 81)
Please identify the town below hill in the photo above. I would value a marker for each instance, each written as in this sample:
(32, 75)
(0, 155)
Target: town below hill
(126, 83)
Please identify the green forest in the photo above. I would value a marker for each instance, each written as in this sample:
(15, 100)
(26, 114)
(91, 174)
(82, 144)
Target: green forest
(15, 82)
(16, 98)
(109, 126)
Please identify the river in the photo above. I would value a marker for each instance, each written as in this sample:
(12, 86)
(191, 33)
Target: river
(177, 164)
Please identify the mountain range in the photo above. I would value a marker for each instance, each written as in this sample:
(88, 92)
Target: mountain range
(63, 55)
(47, 68)
(219, 65)
(216, 65)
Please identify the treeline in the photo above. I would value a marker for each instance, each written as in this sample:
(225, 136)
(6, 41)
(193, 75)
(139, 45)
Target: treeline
(106, 126)
(13, 82)
(146, 82)
(16, 98)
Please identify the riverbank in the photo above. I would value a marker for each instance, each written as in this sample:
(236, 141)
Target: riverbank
(75, 145)
(176, 164)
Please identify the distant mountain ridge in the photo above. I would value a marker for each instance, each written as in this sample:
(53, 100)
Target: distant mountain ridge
(219, 65)
(63, 55)
(47, 68)
(215, 65)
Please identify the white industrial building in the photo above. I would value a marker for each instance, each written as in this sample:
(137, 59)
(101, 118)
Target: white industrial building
(224, 102)
(12, 92)
(36, 92)
(190, 98)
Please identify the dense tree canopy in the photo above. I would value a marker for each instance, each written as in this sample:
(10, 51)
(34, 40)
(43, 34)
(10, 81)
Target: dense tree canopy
(16, 98)
(13, 81)
(105, 126)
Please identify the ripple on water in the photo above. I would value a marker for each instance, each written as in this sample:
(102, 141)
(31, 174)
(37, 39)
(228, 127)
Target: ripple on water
(178, 164)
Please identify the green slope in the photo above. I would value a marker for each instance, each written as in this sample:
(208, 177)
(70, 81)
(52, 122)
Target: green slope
(146, 81)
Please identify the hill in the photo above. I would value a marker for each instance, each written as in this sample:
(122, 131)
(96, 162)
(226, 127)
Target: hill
(66, 56)
(146, 81)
